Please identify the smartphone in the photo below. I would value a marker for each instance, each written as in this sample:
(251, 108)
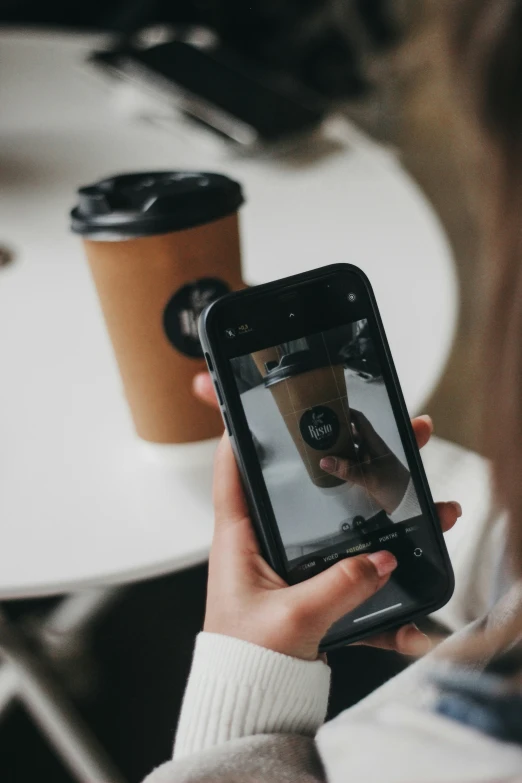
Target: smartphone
(314, 410)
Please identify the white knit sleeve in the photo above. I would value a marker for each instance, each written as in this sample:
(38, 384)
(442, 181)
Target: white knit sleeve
(237, 689)
(408, 507)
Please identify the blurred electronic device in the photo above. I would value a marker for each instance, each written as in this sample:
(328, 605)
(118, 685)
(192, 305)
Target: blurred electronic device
(218, 88)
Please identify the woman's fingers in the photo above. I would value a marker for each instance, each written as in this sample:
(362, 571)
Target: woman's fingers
(407, 640)
(448, 514)
(346, 470)
(204, 389)
(372, 443)
(229, 500)
(327, 597)
(423, 429)
(342, 468)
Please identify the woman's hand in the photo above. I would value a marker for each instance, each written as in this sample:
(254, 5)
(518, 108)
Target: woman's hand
(246, 599)
(377, 468)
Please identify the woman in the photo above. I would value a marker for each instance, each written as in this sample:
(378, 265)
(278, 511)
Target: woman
(258, 690)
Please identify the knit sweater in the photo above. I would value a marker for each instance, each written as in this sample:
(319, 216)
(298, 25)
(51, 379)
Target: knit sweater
(251, 714)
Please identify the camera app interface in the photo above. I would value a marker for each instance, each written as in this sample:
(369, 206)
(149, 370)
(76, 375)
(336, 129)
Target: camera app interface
(333, 461)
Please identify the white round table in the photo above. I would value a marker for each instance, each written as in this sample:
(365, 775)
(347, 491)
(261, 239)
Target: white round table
(82, 501)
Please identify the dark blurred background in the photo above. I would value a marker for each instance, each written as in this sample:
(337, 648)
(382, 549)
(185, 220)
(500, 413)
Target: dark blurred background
(316, 41)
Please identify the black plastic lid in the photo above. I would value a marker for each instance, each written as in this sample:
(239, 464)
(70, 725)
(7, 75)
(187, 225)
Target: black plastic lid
(157, 202)
(293, 364)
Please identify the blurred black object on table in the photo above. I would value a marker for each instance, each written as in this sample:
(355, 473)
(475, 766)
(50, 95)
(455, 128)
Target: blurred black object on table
(275, 66)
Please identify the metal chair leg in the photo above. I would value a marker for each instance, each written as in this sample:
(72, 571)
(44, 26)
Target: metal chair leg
(8, 686)
(52, 711)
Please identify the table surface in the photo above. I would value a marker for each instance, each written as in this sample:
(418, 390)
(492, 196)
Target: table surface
(82, 501)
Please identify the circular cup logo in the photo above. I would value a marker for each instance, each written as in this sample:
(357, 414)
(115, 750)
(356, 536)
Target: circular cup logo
(320, 427)
(180, 318)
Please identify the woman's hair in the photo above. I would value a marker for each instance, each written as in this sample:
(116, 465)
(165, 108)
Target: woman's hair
(486, 65)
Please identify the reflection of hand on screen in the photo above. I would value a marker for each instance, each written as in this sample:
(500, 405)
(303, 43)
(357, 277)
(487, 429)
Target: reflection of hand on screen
(377, 469)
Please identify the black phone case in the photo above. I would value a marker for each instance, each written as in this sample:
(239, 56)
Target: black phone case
(255, 490)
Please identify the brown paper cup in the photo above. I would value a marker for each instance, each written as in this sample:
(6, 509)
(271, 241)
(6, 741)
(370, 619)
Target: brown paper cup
(161, 246)
(262, 357)
(151, 291)
(315, 408)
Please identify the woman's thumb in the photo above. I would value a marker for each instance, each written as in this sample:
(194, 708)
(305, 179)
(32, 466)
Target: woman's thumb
(343, 587)
(229, 500)
(342, 468)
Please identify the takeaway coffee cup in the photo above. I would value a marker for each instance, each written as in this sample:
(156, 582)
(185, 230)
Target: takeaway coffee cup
(312, 399)
(265, 357)
(161, 246)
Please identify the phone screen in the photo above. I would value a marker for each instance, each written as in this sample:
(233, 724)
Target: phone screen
(335, 464)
